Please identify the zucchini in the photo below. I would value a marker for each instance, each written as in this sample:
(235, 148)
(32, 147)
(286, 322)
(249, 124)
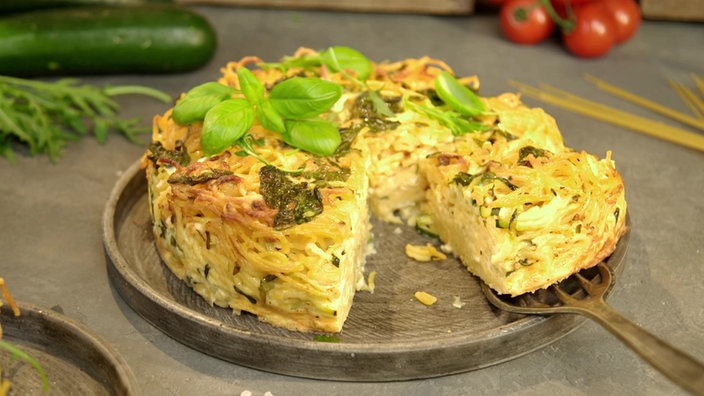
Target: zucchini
(105, 40)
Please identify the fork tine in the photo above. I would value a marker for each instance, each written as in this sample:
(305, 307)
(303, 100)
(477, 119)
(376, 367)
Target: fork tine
(563, 295)
(591, 288)
(532, 301)
(605, 273)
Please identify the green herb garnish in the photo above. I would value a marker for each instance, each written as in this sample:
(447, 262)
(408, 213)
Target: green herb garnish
(457, 124)
(18, 353)
(326, 338)
(45, 116)
(291, 108)
(296, 203)
(465, 179)
(342, 60)
(457, 96)
(461, 105)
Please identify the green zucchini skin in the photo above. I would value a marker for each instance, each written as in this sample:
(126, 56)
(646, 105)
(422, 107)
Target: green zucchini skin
(105, 40)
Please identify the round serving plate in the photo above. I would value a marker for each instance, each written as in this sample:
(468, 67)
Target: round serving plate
(75, 360)
(388, 335)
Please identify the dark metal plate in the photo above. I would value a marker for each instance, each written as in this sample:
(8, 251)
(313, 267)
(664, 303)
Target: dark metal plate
(388, 334)
(76, 361)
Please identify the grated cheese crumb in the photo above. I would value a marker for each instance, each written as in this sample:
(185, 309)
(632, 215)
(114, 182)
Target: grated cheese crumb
(424, 253)
(425, 298)
(370, 281)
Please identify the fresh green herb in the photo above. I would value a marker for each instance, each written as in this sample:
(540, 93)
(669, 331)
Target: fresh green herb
(18, 353)
(291, 109)
(315, 136)
(337, 59)
(457, 96)
(247, 143)
(326, 338)
(45, 116)
(457, 124)
(299, 98)
(226, 123)
(193, 107)
(343, 60)
(461, 102)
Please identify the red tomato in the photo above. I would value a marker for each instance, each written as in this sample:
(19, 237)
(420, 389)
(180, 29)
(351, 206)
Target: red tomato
(525, 21)
(626, 14)
(594, 33)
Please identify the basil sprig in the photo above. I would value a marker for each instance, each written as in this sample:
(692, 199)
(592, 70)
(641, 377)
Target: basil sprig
(461, 105)
(291, 109)
(337, 59)
(342, 60)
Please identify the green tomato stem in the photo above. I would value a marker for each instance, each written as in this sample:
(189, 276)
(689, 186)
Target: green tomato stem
(566, 25)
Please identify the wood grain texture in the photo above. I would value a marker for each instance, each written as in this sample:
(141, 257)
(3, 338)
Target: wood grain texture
(682, 10)
(437, 7)
(388, 335)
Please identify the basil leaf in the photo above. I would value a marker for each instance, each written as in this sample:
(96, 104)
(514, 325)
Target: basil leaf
(344, 58)
(457, 96)
(251, 87)
(269, 118)
(192, 107)
(224, 124)
(315, 136)
(299, 98)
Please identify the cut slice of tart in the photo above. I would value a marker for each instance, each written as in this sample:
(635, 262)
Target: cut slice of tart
(520, 210)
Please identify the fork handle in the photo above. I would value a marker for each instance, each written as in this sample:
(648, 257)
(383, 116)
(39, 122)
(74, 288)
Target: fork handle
(678, 366)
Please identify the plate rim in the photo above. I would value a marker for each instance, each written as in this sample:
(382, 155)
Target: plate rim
(130, 287)
(120, 377)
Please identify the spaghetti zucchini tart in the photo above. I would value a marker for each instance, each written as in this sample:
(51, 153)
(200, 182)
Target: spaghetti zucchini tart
(261, 184)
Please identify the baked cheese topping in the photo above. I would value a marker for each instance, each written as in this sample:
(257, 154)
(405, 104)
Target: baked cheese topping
(281, 233)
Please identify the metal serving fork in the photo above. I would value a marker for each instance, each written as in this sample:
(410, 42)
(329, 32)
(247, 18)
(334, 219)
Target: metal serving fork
(583, 293)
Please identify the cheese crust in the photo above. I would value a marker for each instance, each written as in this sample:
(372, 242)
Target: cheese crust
(519, 208)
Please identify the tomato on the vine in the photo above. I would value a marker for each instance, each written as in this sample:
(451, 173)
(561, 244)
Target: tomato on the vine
(626, 14)
(564, 7)
(525, 21)
(594, 32)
